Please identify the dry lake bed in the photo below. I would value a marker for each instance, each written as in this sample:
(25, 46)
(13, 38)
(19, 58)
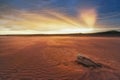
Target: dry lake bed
(53, 57)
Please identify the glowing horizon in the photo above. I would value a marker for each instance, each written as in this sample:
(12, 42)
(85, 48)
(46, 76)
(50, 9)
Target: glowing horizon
(64, 31)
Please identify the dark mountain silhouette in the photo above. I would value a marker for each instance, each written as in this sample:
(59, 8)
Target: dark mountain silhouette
(106, 33)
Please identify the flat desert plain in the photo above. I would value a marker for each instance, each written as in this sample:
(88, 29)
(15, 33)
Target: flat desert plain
(53, 58)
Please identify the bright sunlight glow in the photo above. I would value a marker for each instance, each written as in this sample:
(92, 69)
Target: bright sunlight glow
(51, 22)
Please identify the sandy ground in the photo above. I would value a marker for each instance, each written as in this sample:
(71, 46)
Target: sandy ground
(53, 58)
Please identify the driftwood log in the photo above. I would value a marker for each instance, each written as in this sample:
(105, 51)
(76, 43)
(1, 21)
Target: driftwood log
(86, 62)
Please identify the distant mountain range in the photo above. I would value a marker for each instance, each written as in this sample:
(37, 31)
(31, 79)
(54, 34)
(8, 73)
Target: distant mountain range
(112, 33)
(106, 33)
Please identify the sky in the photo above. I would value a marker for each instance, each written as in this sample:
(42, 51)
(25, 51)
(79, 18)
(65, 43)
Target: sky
(52, 16)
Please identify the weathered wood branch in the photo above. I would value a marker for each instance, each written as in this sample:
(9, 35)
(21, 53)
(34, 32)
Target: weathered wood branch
(86, 62)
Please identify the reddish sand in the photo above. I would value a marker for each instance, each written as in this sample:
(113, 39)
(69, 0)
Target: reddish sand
(53, 58)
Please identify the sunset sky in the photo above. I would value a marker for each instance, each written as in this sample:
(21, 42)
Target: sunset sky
(58, 16)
